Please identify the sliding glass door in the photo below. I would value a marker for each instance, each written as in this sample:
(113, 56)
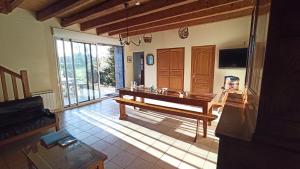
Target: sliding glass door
(87, 71)
(107, 70)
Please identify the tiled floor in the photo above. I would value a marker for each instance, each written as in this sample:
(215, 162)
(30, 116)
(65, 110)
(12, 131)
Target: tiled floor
(144, 141)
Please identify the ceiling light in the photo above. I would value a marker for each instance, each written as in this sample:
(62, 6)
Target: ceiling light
(137, 3)
(127, 41)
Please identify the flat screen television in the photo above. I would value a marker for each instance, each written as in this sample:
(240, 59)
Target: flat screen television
(233, 58)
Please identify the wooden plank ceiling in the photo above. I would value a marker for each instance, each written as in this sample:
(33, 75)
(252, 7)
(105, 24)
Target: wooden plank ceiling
(141, 16)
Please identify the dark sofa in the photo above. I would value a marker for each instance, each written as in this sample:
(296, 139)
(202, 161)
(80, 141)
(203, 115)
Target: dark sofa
(24, 117)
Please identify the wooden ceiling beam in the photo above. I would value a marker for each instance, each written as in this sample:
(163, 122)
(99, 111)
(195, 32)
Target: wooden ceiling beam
(239, 5)
(91, 13)
(164, 14)
(130, 12)
(7, 6)
(57, 8)
(210, 19)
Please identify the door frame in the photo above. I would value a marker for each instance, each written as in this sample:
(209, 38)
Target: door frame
(143, 63)
(213, 71)
(183, 64)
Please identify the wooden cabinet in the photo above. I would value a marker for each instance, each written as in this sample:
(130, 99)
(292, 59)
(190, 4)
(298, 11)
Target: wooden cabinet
(273, 80)
(170, 68)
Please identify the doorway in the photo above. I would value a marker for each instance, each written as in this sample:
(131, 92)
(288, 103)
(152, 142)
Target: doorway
(203, 64)
(138, 68)
(87, 71)
(111, 69)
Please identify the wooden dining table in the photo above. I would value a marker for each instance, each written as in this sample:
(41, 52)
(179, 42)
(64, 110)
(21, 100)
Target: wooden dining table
(181, 98)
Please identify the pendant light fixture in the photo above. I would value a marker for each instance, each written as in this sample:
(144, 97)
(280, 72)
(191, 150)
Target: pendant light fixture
(127, 41)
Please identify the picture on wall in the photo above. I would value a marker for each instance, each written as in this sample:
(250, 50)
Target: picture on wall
(150, 59)
(129, 59)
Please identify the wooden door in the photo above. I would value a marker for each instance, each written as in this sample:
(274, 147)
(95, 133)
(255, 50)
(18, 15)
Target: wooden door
(163, 68)
(176, 68)
(170, 67)
(203, 63)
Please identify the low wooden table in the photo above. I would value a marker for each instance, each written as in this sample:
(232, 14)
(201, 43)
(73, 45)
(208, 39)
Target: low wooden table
(75, 156)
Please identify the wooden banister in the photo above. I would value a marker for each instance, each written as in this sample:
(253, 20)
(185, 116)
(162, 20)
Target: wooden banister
(25, 84)
(15, 87)
(4, 87)
(5, 70)
(22, 76)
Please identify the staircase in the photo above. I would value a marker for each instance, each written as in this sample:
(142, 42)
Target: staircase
(14, 77)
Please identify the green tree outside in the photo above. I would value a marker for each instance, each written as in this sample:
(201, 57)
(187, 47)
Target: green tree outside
(107, 75)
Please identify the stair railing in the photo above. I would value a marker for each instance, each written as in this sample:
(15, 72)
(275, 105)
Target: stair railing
(14, 76)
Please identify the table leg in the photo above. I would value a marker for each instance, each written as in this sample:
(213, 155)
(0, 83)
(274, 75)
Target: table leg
(210, 113)
(134, 99)
(122, 112)
(30, 164)
(142, 100)
(100, 165)
(197, 127)
(204, 128)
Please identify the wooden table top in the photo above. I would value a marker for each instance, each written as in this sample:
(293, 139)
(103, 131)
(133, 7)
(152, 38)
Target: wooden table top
(170, 96)
(236, 120)
(75, 156)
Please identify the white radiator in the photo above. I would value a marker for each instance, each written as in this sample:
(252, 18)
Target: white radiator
(48, 99)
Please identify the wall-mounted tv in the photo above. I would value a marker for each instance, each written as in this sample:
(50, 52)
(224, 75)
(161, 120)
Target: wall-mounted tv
(233, 58)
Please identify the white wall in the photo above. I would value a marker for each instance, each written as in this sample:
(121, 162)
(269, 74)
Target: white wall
(232, 33)
(28, 44)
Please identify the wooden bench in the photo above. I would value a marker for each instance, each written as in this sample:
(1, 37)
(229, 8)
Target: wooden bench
(167, 110)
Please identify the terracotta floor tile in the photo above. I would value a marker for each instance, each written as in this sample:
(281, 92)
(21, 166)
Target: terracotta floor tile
(100, 145)
(90, 140)
(145, 140)
(139, 163)
(123, 159)
(111, 165)
(111, 151)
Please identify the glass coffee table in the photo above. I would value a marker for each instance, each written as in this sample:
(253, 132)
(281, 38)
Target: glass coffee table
(75, 156)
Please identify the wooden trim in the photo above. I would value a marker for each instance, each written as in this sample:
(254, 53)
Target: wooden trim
(4, 69)
(164, 14)
(25, 83)
(7, 6)
(189, 16)
(166, 110)
(131, 12)
(57, 8)
(210, 19)
(14, 4)
(213, 69)
(90, 13)
(4, 86)
(201, 101)
(15, 87)
(24, 79)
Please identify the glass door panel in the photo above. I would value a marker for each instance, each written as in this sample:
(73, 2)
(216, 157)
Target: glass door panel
(88, 71)
(95, 72)
(62, 72)
(70, 72)
(107, 70)
(87, 48)
(80, 65)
